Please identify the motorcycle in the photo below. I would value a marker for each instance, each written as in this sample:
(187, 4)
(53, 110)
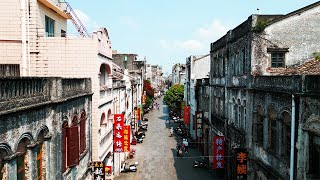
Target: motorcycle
(200, 164)
(131, 168)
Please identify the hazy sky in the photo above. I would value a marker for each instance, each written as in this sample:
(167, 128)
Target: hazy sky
(168, 31)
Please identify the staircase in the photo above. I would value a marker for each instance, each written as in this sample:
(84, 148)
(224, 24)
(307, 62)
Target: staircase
(76, 21)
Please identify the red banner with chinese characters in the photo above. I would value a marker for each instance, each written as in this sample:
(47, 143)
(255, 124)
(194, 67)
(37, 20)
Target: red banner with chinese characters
(144, 99)
(139, 114)
(126, 138)
(242, 169)
(218, 152)
(186, 115)
(118, 133)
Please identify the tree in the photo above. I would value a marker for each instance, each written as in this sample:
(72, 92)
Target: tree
(149, 92)
(174, 96)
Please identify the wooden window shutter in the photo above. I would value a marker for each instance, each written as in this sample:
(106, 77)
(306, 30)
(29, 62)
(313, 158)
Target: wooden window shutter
(64, 147)
(82, 133)
(73, 146)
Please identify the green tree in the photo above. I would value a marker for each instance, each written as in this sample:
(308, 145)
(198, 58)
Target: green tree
(174, 96)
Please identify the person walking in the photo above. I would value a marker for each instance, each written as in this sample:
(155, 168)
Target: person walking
(186, 145)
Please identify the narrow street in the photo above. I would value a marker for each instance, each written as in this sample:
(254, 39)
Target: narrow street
(157, 154)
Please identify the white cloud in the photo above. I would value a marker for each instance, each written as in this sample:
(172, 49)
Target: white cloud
(89, 24)
(202, 37)
(190, 45)
(164, 44)
(213, 31)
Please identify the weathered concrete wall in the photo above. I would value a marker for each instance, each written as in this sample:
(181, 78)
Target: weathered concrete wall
(299, 33)
(45, 121)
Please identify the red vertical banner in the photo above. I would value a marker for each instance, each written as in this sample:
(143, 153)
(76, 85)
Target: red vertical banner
(126, 138)
(118, 133)
(139, 114)
(186, 116)
(144, 97)
(218, 152)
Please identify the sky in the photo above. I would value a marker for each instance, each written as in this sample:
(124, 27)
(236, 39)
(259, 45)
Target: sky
(166, 32)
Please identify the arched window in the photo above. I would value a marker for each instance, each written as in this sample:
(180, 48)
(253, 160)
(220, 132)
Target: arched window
(73, 143)
(102, 75)
(259, 125)
(272, 129)
(21, 159)
(40, 155)
(286, 134)
(82, 132)
(64, 145)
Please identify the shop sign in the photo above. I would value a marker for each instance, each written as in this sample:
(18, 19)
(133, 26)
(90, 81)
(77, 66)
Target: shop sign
(218, 152)
(242, 157)
(118, 133)
(186, 115)
(139, 114)
(126, 138)
(144, 97)
(199, 116)
(108, 170)
(98, 170)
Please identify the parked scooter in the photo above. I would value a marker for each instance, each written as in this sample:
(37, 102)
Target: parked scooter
(200, 164)
(131, 168)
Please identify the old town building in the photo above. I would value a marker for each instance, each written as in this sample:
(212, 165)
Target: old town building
(40, 46)
(178, 74)
(45, 128)
(240, 60)
(197, 68)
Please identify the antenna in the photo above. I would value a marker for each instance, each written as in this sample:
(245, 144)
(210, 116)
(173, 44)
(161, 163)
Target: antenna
(258, 10)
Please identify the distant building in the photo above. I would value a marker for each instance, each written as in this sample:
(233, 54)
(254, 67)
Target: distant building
(178, 74)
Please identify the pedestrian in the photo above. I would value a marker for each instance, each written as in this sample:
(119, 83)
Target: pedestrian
(186, 145)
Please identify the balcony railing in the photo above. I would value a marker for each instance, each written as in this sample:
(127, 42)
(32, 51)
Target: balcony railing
(24, 92)
(278, 83)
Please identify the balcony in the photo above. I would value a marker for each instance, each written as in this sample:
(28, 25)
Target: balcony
(278, 83)
(31, 92)
(105, 96)
(56, 6)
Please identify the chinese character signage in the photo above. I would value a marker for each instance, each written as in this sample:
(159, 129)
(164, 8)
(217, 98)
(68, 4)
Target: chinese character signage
(218, 152)
(139, 114)
(136, 114)
(98, 169)
(126, 138)
(199, 123)
(118, 133)
(186, 116)
(108, 170)
(144, 99)
(242, 157)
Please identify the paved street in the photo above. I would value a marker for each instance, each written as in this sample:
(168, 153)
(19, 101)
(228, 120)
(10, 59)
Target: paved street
(157, 155)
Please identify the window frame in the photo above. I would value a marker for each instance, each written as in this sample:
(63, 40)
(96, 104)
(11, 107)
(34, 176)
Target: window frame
(278, 59)
(49, 26)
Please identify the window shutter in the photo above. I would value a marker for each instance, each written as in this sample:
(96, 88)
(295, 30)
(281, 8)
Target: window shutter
(64, 150)
(73, 146)
(82, 135)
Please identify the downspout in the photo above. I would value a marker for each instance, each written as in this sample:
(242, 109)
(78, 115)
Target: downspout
(23, 37)
(293, 115)
(28, 18)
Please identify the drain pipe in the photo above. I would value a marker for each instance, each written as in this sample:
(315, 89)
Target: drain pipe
(28, 27)
(23, 34)
(293, 122)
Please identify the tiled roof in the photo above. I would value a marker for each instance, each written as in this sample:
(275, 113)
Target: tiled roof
(311, 67)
